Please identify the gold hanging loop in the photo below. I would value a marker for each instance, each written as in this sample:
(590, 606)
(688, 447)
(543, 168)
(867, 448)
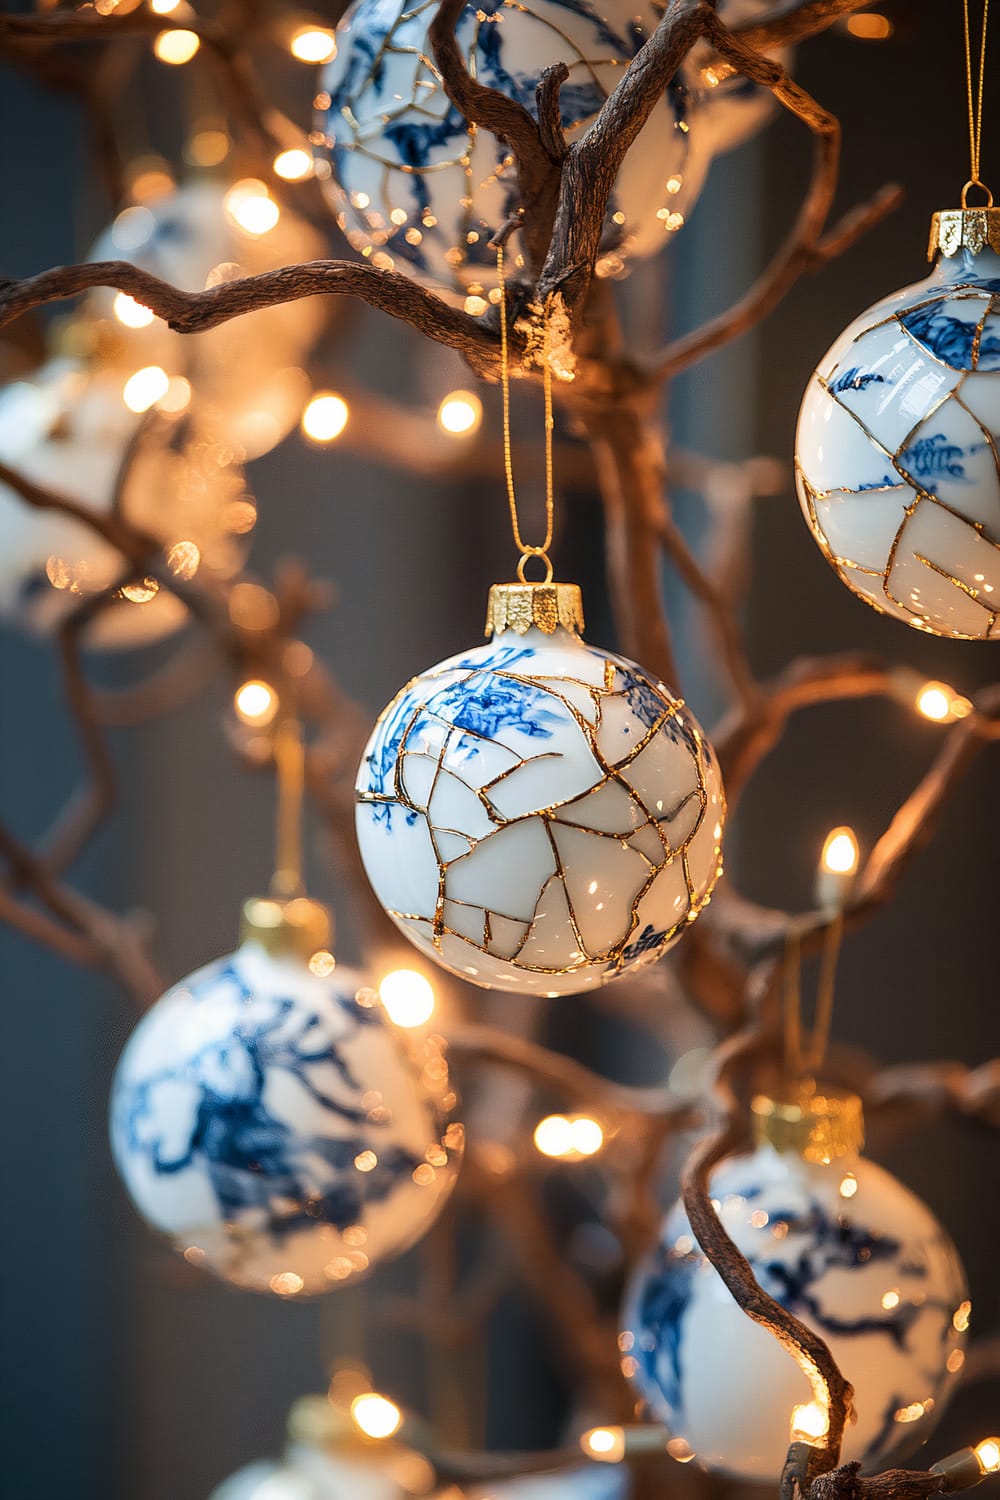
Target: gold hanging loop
(974, 182)
(974, 92)
(526, 549)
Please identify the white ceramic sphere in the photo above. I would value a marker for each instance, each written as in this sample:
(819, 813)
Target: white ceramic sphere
(273, 1124)
(539, 815)
(852, 1253)
(68, 430)
(248, 389)
(896, 451)
(593, 1481)
(309, 1473)
(414, 187)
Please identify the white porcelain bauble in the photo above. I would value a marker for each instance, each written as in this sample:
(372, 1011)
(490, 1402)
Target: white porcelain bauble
(414, 187)
(68, 430)
(849, 1251)
(588, 1482)
(308, 1473)
(266, 1479)
(248, 388)
(538, 814)
(273, 1124)
(896, 450)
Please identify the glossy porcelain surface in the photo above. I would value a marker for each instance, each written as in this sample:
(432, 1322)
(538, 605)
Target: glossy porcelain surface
(852, 1253)
(539, 815)
(272, 1123)
(308, 1473)
(594, 1481)
(896, 451)
(414, 186)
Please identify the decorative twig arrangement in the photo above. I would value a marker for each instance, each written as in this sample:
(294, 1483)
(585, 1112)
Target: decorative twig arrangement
(731, 960)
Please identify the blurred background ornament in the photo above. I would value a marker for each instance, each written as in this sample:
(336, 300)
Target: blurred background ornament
(586, 1482)
(413, 184)
(267, 1116)
(845, 1247)
(537, 814)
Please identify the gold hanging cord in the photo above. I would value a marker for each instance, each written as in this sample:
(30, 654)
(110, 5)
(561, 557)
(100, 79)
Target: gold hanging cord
(975, 103)
(289, 762)
(526, 550)
(805, 1059)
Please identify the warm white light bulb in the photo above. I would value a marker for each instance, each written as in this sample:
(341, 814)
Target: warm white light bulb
(586, 1135)
(131, 313)
(460, 413)
(313, 44)
(809, 1422)
(325, 417)
(294, 165)
(375, 1415)
(250, 206)
(606, 1444)
(554, 1136)
(407, 996)
(840, 852)
(143, 389)
(176, 46)
(988, 1455)
(256, 703)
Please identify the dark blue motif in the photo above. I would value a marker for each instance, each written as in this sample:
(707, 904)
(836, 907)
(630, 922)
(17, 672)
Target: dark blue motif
(667, 1284)
(486, 702)
(648, 941)
(950, 339)
(643, 697)
(934, 457)
(856, 379)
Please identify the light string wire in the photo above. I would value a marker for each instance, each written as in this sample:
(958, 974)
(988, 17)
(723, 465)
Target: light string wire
(974, 92)
(526, 550)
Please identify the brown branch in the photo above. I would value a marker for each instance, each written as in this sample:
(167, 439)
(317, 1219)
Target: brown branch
(796, 21)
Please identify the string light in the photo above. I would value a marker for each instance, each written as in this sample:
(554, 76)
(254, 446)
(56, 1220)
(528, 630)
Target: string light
(460, 413)
(988, 1455)
(809, 1422)
(325, 417)
(606, 1444)
(313, 44)
(249, 205)
(131, 313)
(143, 389)
(163, 7)
(407, 996)
(256, 703)
(176, 46)
(294, 165)
(568, 1139)
(941, 704)
(609, 1445)
(376, 1416)
(871, 27)
(969, 1466)
(840, 852)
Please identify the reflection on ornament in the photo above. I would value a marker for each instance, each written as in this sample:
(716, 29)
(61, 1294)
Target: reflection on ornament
(69, 430)
(537, 814)
(849, 1251)
(415, 187)
(269, 1119)
(896, 452)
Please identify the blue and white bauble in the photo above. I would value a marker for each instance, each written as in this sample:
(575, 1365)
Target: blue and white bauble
(539, 815)
(270, 1121)
(594, 1481)
(415, 187)
(849, 1251)
(897, 450)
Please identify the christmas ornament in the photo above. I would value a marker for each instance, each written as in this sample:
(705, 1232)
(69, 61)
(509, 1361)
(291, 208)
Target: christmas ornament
(247, 389)
(845, 1247)
(588, 1482)
(266, 1114)
(69, 430)
(413, 184)
(896, 450)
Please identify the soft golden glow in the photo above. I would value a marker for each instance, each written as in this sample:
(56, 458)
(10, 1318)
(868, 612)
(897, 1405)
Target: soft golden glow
(848, 1185)
(207, 148)
(141, 591)
(176, 47)
(376, 1415)
(940, 703)
(913, 1412)
(294, 165)
(870, 27)
(130, 312)
(840, 852)
(988, 1455)
(325, 417)
(890, 1300)
(313, 44)
(184, 559)
(955, 1361)
(407, 996)
(322, 963)
(460, 413)
(960, 1321)
(250, 206)
(681, 1450)
(163, 7)
(606, 1444)
(256, 703)
(809, 1422)
(366, 1161)
(143, 389)
(570, 1138)
(178, 397)
(286, 1283)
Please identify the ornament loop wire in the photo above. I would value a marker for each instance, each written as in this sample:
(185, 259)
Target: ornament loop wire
(975, 100)
(526, 549)
(974, 182)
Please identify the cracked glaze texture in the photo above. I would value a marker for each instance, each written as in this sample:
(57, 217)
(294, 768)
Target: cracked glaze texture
(273, 1125)
(896, 452)
(849, 1251)
(539, 815)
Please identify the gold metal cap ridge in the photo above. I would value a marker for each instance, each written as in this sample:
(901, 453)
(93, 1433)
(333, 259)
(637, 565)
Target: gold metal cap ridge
(519, 606)
(820, 1127)
(287, 929)
(971, 229)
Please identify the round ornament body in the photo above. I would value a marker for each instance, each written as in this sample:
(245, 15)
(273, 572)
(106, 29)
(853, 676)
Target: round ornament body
(414, 186)
(539, 815)
(849, 1251)
(271, 1122)
(896, 450)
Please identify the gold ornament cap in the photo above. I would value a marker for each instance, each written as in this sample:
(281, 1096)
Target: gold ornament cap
(519, 606)
(821, 1125)
(972, 229)
(287, 929)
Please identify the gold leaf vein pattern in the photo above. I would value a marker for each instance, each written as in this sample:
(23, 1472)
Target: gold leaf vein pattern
(540, 816)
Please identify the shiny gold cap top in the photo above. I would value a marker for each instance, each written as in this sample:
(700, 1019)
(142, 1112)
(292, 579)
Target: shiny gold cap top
(821, 1126)
(971, 229)
(287, 929)
(519, 606)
